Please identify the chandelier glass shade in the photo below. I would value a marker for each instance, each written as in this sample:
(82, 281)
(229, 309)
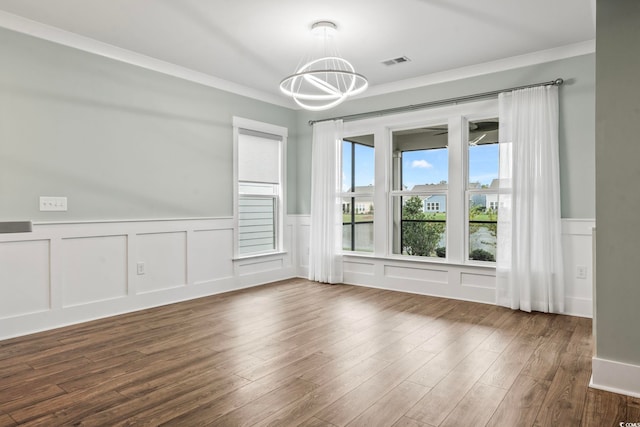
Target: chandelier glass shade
(326, 80)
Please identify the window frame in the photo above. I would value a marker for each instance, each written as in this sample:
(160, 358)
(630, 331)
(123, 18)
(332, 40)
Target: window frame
(457, 117)
(396, 174)
(253, 126)
(353, 195)
(471, 191)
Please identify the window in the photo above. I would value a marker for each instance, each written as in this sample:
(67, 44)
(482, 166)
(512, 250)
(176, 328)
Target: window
(439, 200)
(259, 155)
(357, 193)
(482, 189)
(419, 191)
(431, 206)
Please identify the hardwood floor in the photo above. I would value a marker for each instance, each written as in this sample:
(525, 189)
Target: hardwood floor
(300, 353)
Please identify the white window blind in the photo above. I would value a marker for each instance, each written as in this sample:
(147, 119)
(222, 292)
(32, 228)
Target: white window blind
(257, 224)
(259, 156)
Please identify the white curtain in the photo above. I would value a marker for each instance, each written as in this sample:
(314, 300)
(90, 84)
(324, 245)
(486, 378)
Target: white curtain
(529, 249)
(325, 263)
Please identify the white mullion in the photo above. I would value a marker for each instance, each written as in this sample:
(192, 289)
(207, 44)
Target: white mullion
(236, 195)
(381, 144)
(456, 193)
(381, 171)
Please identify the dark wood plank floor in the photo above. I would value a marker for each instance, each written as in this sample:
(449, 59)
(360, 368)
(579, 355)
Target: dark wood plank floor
(300, 353)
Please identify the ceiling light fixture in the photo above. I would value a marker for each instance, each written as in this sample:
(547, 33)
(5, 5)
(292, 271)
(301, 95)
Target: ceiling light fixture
(323, 81)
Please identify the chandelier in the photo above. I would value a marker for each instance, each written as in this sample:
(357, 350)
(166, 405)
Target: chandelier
(325, 80)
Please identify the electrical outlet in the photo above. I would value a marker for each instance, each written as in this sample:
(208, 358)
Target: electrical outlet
(140, 268)
(581, 272)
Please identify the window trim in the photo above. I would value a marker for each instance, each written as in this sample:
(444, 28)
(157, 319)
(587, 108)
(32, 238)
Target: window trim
(280, 198)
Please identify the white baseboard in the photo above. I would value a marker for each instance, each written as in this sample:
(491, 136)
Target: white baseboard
(579, 307)
(616, 377)
(51, 319)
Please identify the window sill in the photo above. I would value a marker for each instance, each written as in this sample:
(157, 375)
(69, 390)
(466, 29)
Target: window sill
(439, 261)
(258, 255)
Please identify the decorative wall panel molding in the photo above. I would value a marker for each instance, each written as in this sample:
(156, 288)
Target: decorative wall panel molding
(65, 273)
(466, 282)
(25, 277)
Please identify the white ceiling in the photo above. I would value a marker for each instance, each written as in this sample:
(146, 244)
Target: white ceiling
(255, 43)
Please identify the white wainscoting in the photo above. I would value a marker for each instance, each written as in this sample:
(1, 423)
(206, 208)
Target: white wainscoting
(577, 244)
(466, 282)
(426, 278)
(65, 273)
(302, 224)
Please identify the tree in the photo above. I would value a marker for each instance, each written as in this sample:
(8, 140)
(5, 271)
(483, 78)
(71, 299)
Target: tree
(476, 210)
(419, 238)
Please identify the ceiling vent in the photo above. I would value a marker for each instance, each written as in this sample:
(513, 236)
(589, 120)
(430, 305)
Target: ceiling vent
(398, 60)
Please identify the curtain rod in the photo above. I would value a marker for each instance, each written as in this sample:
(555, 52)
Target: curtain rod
(350, 117)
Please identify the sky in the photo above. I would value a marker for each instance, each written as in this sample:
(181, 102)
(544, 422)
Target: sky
(422, 166)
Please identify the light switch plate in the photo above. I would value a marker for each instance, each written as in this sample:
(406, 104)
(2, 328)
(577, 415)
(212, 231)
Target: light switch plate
(49, 203)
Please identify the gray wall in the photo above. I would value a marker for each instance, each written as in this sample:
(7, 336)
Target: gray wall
(577, 115)
(119, 141)
(122, 142)
(618, 174)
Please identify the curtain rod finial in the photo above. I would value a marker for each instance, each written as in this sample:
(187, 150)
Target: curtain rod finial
(558, 82)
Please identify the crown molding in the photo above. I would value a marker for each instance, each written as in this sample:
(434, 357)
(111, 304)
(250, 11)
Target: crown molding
(56, 35)
(67, 38)
(549, 55)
